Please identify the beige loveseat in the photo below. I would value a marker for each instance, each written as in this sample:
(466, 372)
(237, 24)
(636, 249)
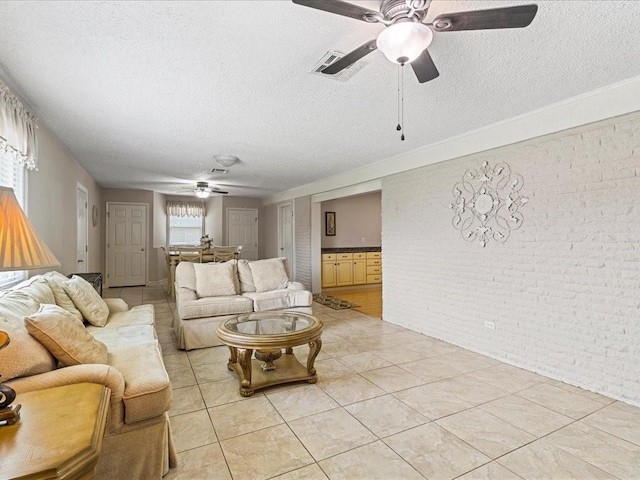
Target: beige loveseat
(208, 293)
(138, 442)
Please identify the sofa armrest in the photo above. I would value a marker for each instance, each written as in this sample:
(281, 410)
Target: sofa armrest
(92, 373)
(184, 294)
(116, 305)
(295, 286)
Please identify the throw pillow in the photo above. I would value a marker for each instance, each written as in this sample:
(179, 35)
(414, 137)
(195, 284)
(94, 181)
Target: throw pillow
(87, 300)
(55, 281)
(65, 336)
(24, 356)
(215, 279)
(269, 274)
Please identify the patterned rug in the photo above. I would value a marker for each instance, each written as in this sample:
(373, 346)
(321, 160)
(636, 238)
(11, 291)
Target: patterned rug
(333, 302)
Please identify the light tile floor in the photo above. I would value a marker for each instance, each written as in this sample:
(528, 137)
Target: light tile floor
(389, 404)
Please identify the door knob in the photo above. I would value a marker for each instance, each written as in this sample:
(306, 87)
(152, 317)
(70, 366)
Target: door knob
(142, 249)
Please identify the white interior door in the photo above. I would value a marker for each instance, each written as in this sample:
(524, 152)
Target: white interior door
(126, 244)
(82, 230)
(242, 229)
(285, 233)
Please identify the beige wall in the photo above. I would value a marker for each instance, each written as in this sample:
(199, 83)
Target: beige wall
(269, 231)
(160, 235)
(214, 220)
(51, 203)
(357, 217)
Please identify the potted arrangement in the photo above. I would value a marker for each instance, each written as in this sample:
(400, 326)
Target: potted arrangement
(205, 242)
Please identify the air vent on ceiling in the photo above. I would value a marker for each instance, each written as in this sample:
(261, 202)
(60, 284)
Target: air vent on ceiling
(344, 74)
(219, 171)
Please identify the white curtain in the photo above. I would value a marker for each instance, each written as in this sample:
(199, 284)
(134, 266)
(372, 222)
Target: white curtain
(17, 129)
(185, 209)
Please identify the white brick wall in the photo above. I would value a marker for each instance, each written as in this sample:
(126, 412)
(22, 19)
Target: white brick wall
(563, 291)
(302, 212)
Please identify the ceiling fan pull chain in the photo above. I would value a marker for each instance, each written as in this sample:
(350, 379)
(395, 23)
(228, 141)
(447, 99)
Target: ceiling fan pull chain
(399, 127)
(402, 99)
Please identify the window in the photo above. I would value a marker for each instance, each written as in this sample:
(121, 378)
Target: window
(12, 176)
(185, 230)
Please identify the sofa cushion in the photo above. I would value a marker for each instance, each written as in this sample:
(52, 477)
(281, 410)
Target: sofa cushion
(65, 336)
(215, 279)
(138, 315)
(279, 299)
(119, 336)
(24, 355)
(213, 306)
(87, 300)
(269, 274)
(245, 276)
(55, 281)
(147, 390)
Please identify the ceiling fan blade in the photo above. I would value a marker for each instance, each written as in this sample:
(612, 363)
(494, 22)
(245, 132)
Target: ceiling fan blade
(424, 67)
(341, 8)
(351, 58)
(508, 17)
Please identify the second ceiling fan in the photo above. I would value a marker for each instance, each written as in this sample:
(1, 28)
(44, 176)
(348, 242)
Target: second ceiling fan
(406, 38)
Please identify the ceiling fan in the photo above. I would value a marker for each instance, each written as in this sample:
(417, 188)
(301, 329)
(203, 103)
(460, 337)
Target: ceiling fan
(203, 190)
(406, 38)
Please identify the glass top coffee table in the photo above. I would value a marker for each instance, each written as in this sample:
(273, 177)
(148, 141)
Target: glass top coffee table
(266, 334)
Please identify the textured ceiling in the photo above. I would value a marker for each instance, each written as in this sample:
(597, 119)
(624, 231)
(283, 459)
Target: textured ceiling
(144, 94)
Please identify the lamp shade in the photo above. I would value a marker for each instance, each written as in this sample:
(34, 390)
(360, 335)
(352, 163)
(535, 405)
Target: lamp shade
(20, 246)
(404, 42)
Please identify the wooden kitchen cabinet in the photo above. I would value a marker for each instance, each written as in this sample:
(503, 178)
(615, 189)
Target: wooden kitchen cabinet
(360, 271)
(346, 268)
(328, 270)
(374, 267)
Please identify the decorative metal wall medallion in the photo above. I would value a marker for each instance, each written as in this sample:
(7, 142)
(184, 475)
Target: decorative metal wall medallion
(487, 202)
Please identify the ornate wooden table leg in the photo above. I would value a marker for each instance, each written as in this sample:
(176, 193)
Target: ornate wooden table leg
(288, 350)
(314, 350)
(233, 357)
(244, 359)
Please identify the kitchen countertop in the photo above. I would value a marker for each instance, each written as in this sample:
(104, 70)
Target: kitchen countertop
(351, 249)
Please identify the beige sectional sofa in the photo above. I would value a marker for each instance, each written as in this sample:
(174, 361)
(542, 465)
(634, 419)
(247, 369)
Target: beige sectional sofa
(208, 293)
(45, 325)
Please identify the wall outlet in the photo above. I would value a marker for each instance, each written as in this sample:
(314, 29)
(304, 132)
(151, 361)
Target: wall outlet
(363, 240)
(491, 325)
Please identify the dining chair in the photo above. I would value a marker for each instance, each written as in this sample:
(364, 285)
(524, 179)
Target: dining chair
(189, 254)
(224, 253)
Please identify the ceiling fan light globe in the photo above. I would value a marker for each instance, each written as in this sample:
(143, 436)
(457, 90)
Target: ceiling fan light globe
(403, 42)
(202, 194)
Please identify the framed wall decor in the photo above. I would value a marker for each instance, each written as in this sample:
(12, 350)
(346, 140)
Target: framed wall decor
(94, 216)
(330, 224)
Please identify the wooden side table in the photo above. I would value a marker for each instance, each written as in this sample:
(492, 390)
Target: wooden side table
(59, 434)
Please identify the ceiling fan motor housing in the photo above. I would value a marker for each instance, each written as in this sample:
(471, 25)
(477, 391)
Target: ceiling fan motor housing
(394, 10)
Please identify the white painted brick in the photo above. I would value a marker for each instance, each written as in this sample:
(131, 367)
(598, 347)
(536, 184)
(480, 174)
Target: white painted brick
(564, 290)
(302, 220)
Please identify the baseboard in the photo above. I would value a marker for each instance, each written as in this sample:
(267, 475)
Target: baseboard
(369, 286)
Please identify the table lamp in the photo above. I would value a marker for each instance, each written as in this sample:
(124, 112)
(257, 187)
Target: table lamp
(20, 249)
